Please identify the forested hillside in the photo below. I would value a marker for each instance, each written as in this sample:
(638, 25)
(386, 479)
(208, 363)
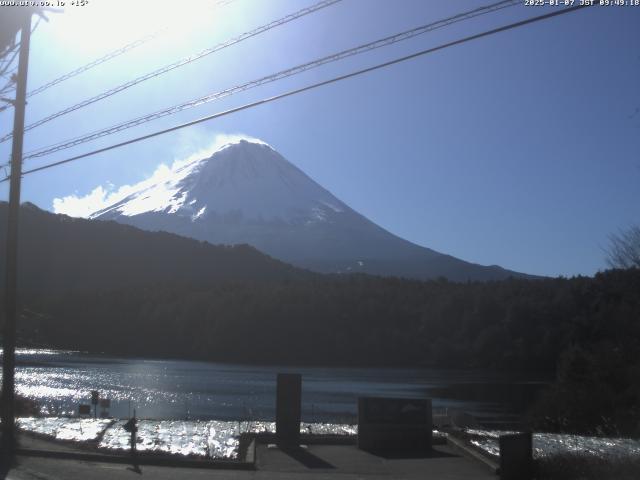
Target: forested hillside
(104, 287)
(515, 324)
(60, 253)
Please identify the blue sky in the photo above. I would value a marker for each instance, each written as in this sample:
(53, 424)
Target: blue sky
(520, 149)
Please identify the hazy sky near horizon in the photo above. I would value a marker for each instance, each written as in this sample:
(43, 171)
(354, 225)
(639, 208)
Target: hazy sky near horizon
(521, 149)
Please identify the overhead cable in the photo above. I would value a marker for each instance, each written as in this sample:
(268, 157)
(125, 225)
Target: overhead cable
(109, 56)
(310, 87)
(192, 58)
(270, 78)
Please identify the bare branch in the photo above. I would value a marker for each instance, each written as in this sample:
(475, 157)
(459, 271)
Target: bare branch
(624, 249)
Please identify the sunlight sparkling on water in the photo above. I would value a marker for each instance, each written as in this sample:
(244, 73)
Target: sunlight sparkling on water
(41, 351)
(549, 444)
(59, 381)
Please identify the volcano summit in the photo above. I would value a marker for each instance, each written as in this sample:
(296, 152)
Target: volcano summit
(246, 192)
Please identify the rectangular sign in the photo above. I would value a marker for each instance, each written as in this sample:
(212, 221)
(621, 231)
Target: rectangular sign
(394, 424)
(288, 408)
(396, 411)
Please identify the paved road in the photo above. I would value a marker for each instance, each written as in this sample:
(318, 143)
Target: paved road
(56, 469)
(318, 462)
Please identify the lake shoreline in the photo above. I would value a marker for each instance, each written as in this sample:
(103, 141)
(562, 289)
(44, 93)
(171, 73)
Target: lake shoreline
(320, 363)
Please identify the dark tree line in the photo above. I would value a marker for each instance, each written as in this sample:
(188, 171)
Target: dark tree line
(517, 324)
(586, 328)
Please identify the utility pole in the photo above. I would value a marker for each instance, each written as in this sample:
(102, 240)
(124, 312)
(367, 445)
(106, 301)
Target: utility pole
(11, 281)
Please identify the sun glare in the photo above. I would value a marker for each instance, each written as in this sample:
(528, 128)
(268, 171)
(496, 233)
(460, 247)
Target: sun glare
(102, 25)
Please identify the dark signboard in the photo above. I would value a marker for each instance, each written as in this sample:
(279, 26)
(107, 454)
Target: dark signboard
(394, 424)
(396, 410)
(84, 409)
(288, 408)
(516, 461)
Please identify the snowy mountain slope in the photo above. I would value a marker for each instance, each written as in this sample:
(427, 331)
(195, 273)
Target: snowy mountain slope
(241, 177)
(246, 192)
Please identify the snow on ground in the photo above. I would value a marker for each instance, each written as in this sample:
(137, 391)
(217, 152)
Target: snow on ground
(220, 439)
(549, 444)
(211, 439)
(61, 428)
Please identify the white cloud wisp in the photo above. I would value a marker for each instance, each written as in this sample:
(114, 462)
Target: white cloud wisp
(102, 197)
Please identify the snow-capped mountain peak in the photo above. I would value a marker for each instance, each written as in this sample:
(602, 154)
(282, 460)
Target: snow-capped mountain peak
(245, 178)
(246, 192)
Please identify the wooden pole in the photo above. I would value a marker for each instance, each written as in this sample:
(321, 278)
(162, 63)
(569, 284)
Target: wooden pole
(11, 281)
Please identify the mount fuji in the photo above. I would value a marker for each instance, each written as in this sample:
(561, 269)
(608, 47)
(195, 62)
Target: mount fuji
(247, 193)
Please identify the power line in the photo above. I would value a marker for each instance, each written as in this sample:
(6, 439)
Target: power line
(311, 87)
(14, 50)
(109, 56)
(7, 73)
(271, 78)
(94, 63)
(276, 23)
(12, 74)
(7, 63)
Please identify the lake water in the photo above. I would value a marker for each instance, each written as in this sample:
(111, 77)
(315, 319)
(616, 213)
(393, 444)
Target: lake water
(222, 401)
(173, 389)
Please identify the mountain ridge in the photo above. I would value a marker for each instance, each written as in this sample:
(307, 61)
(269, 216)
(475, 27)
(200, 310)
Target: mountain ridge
(246, 192)
(62, 253)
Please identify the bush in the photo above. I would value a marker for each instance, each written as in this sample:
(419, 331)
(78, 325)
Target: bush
(597, 392)
(582, 467)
